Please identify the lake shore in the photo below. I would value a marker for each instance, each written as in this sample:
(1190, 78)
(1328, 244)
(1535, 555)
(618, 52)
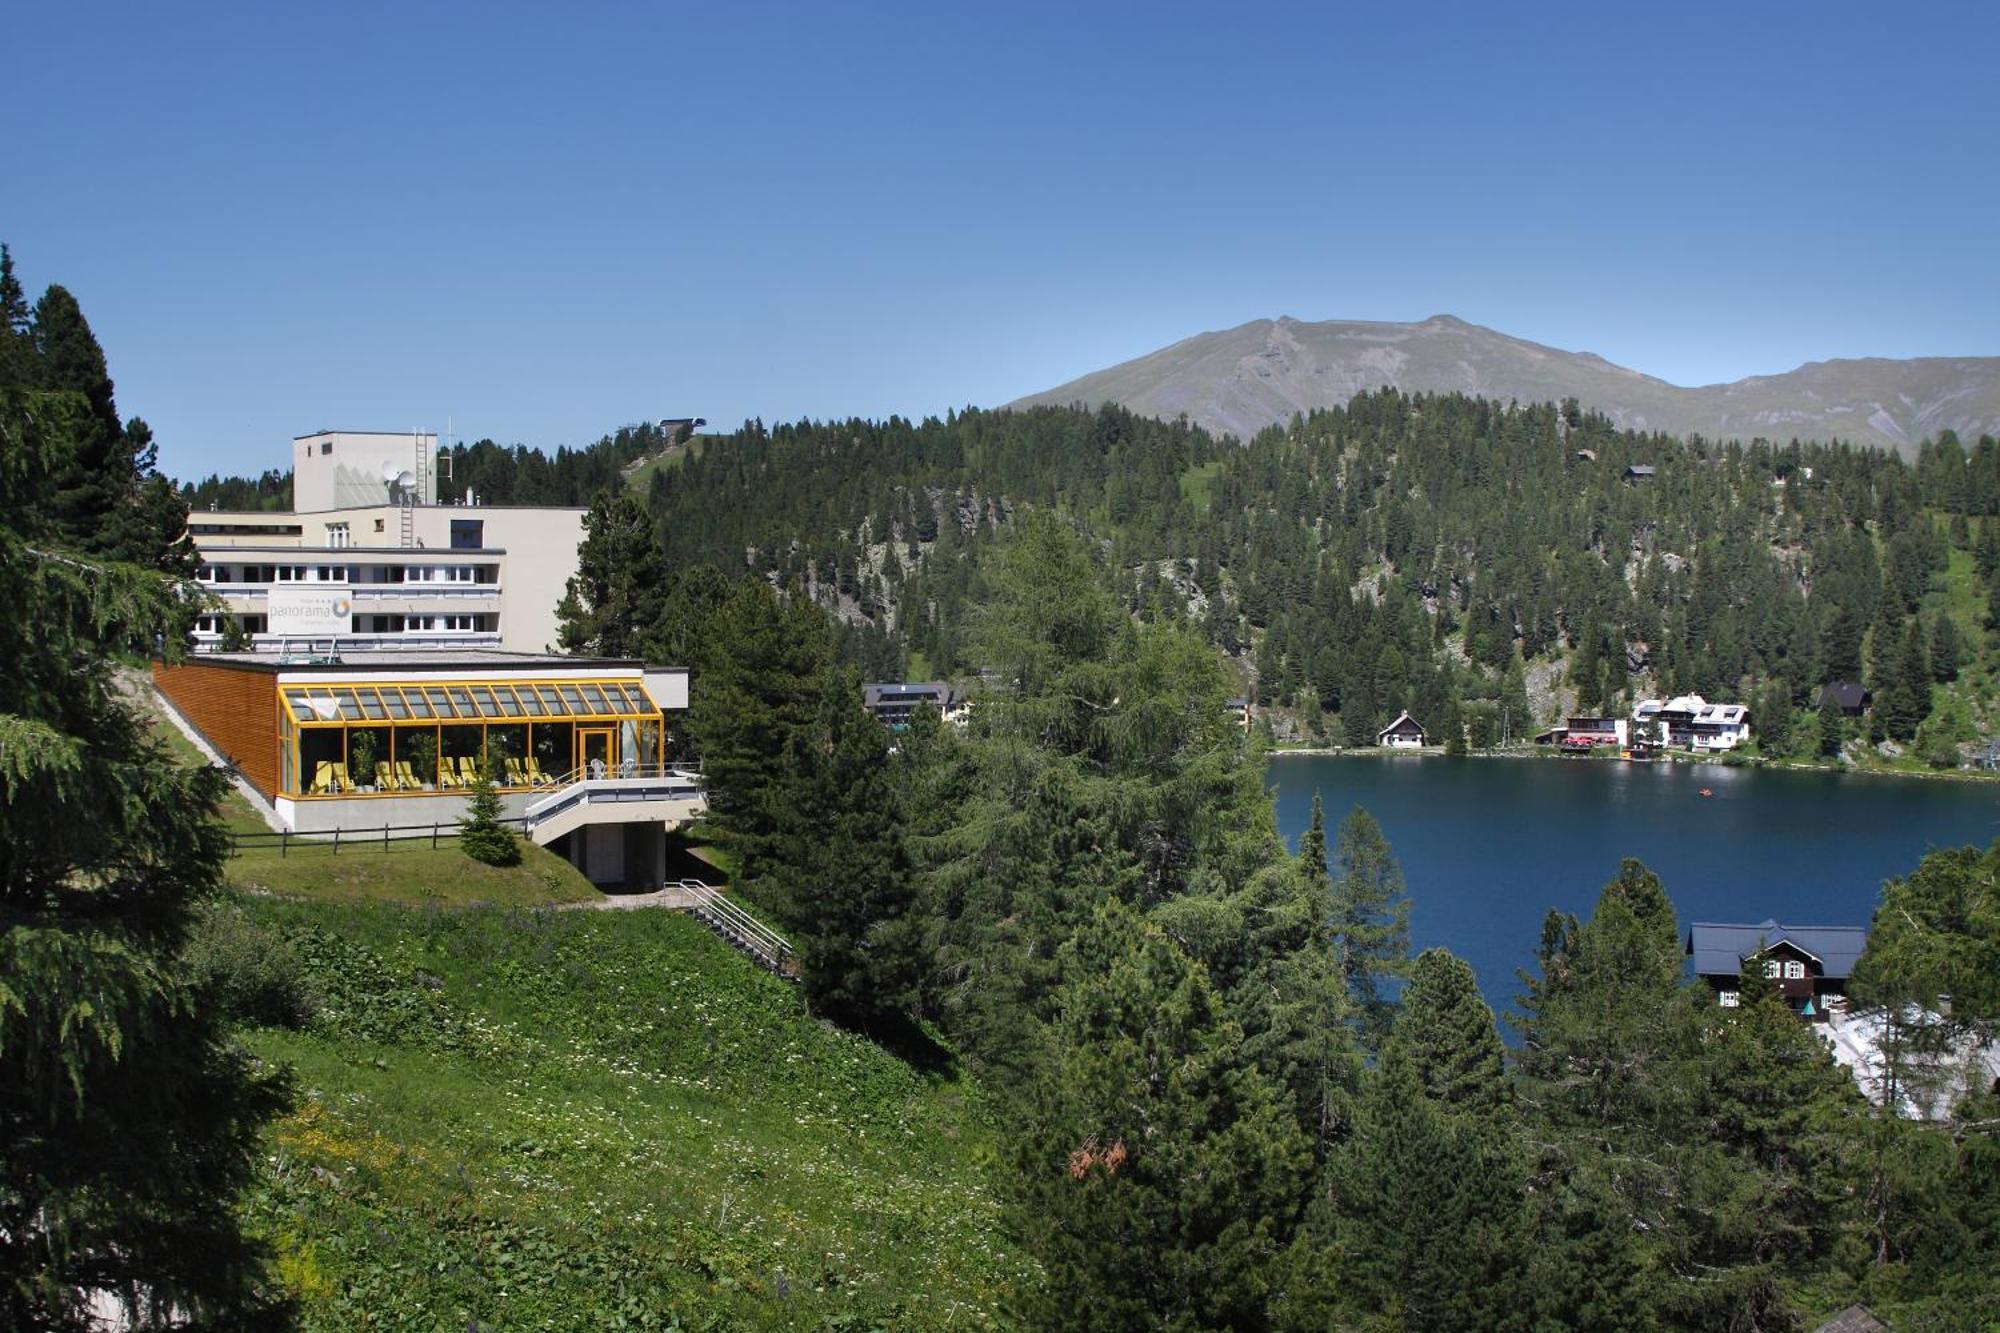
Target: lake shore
(1745, 761)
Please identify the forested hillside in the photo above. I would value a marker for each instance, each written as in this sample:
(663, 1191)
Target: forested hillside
(1494, 564)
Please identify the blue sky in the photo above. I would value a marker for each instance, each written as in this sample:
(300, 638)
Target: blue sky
(544, 223)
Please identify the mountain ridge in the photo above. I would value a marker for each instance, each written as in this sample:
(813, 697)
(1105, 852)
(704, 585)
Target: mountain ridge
(1237, 381)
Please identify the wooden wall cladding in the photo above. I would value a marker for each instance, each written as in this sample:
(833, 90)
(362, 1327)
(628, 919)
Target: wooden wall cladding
(236, 710)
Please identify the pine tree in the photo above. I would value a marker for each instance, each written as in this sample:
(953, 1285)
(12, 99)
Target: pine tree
(761, 691)
(1832, 728)
(1370, 919)
(129, 1123)
(1448, 1031)
(1154, 1180)
(1427, 1209)
(842, 882)
(1312, 846)
(481, 835)
(616, 600)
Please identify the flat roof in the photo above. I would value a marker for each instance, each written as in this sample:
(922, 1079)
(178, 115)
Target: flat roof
(279, 515)
(392, 434)
(376, 661)
(295, 548)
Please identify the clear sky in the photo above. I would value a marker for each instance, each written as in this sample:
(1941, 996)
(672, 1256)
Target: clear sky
(546, 221)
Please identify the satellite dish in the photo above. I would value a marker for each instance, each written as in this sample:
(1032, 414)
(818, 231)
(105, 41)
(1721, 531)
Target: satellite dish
(405, 481)
(389, 471)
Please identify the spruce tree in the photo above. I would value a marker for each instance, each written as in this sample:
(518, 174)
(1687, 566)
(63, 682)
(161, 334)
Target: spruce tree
(129, 1122)
(1312, 846)
(1832, 728)
(841, 879)
(1370, 920)
(616, 600)
(481, 835)
(1448, 1031)
(1427, 1209)
(1154, 1180)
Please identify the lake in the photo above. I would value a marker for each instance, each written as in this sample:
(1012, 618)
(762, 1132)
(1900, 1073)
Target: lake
(1489, 845)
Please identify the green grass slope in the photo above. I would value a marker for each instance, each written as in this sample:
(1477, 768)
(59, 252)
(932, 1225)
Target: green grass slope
(603, 1120)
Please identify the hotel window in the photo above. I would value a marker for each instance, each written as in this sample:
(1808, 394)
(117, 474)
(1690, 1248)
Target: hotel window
(1728, 999)
(1773, 969)
(337, 535)
(1795, 971)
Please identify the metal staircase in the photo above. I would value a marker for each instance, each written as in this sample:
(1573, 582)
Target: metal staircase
(765, 946)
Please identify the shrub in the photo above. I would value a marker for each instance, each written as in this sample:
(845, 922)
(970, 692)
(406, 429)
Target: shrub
(253, 974)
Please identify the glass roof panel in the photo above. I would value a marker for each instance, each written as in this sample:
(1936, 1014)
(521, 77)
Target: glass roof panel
(350, 707)
(508, 703)
(483, 700)
(531, 702)
(595, 698)
(551, 701)
(419, 705)
(461, 699)
(574, 699)
(440, 702)
(392, 699)
(371, 704)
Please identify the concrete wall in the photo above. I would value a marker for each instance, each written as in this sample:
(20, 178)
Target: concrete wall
(357, 815)
(350, 471)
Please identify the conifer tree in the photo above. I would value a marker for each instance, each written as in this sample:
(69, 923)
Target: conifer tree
(1832, 728)
(842, 882)
(1427, 1209)
(762, 690)
(1449, 1033)
(1370, 920)
(129, 1122)
(481, 835)
(1312, 846)
(615, 601)
(1154, 1180)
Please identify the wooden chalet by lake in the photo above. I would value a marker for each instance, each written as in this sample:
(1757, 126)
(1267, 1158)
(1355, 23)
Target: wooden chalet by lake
(1405, 733)
(1806, 964)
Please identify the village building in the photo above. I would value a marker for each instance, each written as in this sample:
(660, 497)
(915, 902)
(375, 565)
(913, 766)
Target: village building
(1806, 964)
(1403, 734)
(1689, 722)
(367, 558)
(893, 703)
(392, 742)
(1851, 697)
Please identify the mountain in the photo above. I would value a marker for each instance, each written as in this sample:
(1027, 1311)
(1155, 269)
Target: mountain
(1243, 379)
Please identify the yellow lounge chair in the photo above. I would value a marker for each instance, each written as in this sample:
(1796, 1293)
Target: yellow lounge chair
(341, 782)
(406, 777)
(322, 783)
(516, 775)
(536, 777)
(385, 776)
(468, 770)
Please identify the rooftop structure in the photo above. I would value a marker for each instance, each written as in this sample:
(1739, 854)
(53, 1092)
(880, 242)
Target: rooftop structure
(1690, 722)
(1405, 733)
(894, 702)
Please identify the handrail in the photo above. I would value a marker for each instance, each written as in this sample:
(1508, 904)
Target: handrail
(776, 949)
(573, 788)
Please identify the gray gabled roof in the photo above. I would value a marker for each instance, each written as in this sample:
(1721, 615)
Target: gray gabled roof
(1718, 950)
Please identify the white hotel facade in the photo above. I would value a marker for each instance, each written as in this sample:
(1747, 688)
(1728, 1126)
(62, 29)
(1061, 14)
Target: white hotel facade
(367, 558)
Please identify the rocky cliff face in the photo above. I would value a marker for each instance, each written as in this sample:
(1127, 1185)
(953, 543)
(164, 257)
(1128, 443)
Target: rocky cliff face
(1241, 380)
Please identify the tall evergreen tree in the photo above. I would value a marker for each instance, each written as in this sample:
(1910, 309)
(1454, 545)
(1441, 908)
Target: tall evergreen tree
(762, 691)
(128, 1121)
(1370, 920)
(841, 877)
(616, 600)
(1448, 1031)
(1155, 1180)
(1312, 847)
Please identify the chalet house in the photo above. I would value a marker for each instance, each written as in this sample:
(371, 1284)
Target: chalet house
(1690, 722)
(893, 703)
(1639, 472)
(1851, 697)
(1402, 734)
(1587, 733)
(1239, 711)
(1806, 963)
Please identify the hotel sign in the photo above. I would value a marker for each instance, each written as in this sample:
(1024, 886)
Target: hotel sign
(319, 609)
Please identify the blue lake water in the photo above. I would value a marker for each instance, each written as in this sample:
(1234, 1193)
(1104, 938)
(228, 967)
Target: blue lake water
(1488, 845)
